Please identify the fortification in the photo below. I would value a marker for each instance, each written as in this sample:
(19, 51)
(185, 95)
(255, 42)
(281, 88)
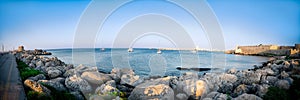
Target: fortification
(267, 50)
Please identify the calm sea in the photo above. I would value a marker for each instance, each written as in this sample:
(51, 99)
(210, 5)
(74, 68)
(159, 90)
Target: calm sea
(148, 62)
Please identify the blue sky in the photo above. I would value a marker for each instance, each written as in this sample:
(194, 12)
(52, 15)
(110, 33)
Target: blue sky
(52, 24)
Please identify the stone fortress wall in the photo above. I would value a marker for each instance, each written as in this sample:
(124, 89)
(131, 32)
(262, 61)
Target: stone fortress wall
(267, 50)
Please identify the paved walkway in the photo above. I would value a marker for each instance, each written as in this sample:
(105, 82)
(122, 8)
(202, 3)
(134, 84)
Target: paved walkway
(11, 87)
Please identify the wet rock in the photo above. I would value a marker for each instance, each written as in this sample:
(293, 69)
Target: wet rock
(37, 87)
(131, 80)
(95, 77)
(283, 84)
(159, 92)
(77, 83)
(246, 96)
(38, 77)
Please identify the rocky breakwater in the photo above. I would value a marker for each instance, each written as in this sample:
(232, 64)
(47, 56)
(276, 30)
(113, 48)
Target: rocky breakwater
(88, 83)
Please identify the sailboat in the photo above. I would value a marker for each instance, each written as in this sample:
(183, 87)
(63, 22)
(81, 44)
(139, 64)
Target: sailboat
(130, 50)
(102, 49)
(158, 51)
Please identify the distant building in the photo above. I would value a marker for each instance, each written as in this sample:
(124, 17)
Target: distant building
(20, 48)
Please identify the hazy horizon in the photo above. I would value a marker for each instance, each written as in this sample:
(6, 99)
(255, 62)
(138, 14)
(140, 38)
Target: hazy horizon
(47, 24)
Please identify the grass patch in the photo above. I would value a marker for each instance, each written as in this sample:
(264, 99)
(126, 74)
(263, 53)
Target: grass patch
(25, 71)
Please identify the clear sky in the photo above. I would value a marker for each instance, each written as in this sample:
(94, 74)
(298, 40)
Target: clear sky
(52, 24)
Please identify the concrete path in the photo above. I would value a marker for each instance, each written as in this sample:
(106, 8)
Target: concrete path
(11, 87)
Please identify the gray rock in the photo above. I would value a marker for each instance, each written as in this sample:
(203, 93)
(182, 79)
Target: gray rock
(40, 63)
(262, 90)
(77, 83)
(181, 96)
(266, 71)
(54, 73)
(159, 92)
(57, 85)
(242, 88)
(95, 77)
(77, 95)
(246, 96)
(250, 77)
(31, 65)
(105, 89)
(131, 80)
(217, 80)
(188, 75)
(216, 96)
(38, 77)
(283, 75)
(283, 84)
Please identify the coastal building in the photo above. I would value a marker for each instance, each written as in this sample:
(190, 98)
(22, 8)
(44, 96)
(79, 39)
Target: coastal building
(267, 50)
(20, 48)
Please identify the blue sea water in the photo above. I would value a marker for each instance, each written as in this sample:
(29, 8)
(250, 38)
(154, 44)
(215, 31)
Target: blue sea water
(147, 62)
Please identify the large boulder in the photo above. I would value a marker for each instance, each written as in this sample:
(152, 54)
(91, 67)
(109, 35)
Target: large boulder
(155, 92)
(95, 77)
(246, 96)
(194, 88)
(249, 77)
(77, 83)
(40, 63)
(54, 73)
(216, 96)
(55, 84)
(37, 87)
(132, 80)
(242, 88)
(283, 84)
(262, 90)
(217, 80)
(38, 77)
(118, 72)
(106, 89)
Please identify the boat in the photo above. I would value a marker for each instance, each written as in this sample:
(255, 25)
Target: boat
(158, 51)
(130, 50)
(102, 49)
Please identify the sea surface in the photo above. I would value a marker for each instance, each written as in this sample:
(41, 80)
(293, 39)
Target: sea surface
(147, 62)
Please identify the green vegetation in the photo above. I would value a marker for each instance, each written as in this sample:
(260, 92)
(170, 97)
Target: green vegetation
(25, 71)
(59, 95)
(275, 93)
(32, 95)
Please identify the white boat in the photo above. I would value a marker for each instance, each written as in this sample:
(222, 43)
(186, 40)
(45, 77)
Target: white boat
(130, 50)
(102, 49)
(158, 51)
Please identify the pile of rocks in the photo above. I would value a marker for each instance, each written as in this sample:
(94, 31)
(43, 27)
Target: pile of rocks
(88, 82)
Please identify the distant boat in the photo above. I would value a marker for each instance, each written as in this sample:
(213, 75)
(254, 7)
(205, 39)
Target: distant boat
(102, 49)
(194, 51)
(130, 50)
(158, 51)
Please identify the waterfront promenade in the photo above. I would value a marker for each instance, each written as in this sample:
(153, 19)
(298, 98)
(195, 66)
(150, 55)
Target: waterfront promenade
(10, 82)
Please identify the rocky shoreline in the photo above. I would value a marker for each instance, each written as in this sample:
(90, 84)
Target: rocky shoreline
(88, 83)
